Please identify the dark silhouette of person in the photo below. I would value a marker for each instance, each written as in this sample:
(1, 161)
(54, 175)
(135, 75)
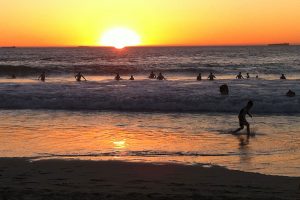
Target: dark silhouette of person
(224, 90)
(42, 77)
(152, 75)
(199, 77)
(248, 76)
(290, 93)
(242, 117)
(282, 77)
(239, 76)
(131, 78)
(118, 77)
(161, 77)
(13, 76)
(256, 77)
(211, 77)
(78, 77)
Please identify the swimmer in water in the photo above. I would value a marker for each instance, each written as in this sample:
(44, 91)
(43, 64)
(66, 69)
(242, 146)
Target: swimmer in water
(131, 78)
(239, 76)
(161, 77)
(199, 77)
(42, 77)
(78, 77)
(211, 77)
(152, 75)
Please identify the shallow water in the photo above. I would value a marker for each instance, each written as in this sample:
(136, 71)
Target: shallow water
(154, 137)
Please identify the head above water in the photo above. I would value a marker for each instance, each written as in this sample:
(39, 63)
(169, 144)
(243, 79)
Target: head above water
(249, 104)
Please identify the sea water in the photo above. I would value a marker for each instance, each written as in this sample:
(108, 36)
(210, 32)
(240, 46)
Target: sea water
(179, 120)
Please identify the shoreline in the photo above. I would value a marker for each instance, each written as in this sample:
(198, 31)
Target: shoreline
(77, 179)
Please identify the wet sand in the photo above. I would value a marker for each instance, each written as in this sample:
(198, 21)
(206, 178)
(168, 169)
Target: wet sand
(58, 179)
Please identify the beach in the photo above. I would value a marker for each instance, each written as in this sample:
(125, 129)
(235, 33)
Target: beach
(73, 179)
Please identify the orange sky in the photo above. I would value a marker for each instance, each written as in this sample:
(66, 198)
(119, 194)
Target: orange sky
(158, 22)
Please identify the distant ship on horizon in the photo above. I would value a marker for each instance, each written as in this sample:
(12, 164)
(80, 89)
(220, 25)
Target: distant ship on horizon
(280, 44)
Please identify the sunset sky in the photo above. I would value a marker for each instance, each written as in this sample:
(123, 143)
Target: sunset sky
(157, 22)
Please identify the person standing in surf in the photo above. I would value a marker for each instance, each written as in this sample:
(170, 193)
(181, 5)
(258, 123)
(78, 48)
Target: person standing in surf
(42, 77)
(239, 76)
(199, 77)
(211, 76)
(78, 77)
(242, 117)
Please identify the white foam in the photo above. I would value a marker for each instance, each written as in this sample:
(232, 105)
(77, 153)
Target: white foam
(151, 95)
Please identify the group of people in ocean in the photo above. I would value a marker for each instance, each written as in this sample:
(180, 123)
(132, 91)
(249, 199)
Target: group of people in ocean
(79, 76)
(151, 76)
(42, 77)
(224, 90)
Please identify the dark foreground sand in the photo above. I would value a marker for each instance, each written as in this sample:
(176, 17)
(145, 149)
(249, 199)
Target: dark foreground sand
(54, 179)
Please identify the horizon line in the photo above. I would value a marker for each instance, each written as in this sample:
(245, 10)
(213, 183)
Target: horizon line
(137, 46)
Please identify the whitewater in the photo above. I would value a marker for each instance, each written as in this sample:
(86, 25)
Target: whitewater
(181, 95)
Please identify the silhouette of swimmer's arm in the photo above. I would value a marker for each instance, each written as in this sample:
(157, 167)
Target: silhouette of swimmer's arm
(83, 77)
(249, 114)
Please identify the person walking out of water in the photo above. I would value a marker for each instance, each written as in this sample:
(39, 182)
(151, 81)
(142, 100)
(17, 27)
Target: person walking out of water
(118, 77)
(152, 75)
(242, 118)
(211, 77)
(42, 77)
(199, 77)
(239, 76)
(161, 77)
(78, 77)
(131, 78)
(282, 77)
(248, 76)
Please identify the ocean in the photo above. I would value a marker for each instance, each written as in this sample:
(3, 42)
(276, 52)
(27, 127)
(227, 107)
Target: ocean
(179, 120)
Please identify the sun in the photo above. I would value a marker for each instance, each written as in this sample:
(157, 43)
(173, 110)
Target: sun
(120, 38)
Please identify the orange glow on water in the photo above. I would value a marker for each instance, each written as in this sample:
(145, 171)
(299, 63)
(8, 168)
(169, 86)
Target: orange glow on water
(138, 137)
